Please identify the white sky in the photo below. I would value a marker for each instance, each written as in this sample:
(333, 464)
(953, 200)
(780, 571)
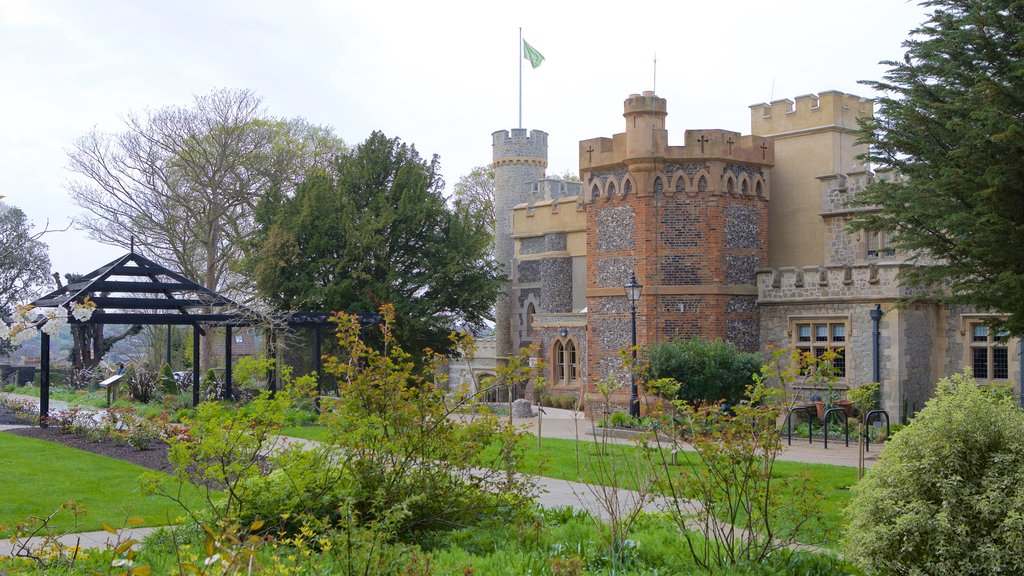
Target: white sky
(440, 74)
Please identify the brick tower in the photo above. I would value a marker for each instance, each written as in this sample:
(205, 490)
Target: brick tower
(690, 221)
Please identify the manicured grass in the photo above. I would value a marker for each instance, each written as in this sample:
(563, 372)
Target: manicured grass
(38, 476)
(317, 433)
(90, 399)
(558, 458)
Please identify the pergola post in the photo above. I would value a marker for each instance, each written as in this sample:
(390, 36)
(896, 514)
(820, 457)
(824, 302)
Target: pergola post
(44, 379)
(272, 353)
(195, 365)
(228, 391)
(317, 365)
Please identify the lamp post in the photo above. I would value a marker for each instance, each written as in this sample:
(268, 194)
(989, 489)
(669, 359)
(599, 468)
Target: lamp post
(633, 294)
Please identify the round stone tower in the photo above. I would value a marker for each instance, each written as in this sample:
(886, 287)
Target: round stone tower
(519, 160)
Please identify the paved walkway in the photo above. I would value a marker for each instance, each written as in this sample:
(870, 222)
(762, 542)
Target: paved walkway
(574, 425)
(99, 539)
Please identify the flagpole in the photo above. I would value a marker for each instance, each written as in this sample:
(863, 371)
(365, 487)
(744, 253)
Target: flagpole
(520, 58)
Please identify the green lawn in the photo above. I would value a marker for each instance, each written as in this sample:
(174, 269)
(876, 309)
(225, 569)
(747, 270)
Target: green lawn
(38, 476)
(557, 458)
(90, 398)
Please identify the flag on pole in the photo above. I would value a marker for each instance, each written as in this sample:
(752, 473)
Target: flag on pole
(531, 54)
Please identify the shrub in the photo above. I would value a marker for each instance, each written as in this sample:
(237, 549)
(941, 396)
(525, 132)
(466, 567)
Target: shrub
(209, 386)
(947, 492)
(141, 384)
(709, 370)
(67, 421)
(620, 420)
(142, 433)
(168, 384)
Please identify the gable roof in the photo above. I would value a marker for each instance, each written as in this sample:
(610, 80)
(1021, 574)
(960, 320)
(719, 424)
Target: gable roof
(135, 290)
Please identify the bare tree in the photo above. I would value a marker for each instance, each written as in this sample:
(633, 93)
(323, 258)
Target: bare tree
(182, 184)
(24, 262)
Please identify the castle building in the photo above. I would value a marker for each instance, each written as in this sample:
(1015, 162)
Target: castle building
(736, 237)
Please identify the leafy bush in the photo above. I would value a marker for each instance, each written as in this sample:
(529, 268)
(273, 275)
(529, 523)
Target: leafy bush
(710, 371)
(168, 384)
(620, 420)
(562, 401)
(142, 385)
(209, 386)
(142, 433)
(946, 495)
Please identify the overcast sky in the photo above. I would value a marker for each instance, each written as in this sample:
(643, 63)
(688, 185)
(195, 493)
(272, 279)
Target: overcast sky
(440, 74)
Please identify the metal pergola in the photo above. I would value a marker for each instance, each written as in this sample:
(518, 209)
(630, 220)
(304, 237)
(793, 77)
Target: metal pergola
(135, 290)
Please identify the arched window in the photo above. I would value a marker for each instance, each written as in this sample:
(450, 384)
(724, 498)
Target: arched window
(730, 185)
(628, 187)
(658, 185)
(702, 184)
(573, 361)
(530, 311)
(595, 191)
(559, 367)
(611, 189)
(681, 184)
(744, 187)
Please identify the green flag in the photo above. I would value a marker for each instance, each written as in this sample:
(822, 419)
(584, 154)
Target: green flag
(531, 54)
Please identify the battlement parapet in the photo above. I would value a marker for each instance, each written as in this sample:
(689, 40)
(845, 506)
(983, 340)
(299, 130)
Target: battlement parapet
(809, 283)
(520, 145)
(828, 109)
(646, 103)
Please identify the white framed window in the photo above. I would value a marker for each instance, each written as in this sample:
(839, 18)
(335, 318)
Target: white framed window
(877, 243)
(565, 367)
(815, 337)
(989, 353)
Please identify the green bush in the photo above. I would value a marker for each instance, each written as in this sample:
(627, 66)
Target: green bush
(709, 371)
(168, 385)
(620, 420)
(947, 492)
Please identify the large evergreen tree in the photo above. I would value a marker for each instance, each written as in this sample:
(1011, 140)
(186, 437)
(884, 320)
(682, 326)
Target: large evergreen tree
(376, 229)
(950, 123)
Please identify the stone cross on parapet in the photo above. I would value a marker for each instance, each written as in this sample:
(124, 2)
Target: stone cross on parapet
(764, 149)
(703, 140)
(730, 143)
(590, 154)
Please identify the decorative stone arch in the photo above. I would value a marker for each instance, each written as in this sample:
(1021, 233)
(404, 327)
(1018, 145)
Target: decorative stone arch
(744, 187)
(681, 184)
(701, 183)
(658, 186)
(627, 186)
(558, 358)
(760, 187)
(610, 188)
(566, 362)
(528, 313)
(525, 328)
(595, 191)
(730, 184)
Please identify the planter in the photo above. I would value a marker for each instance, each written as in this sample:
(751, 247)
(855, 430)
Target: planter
(846, 405)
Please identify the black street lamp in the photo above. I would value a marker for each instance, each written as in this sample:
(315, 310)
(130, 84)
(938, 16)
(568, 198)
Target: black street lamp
(633, 294)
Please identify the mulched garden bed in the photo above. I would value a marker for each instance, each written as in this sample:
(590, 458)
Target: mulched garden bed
(154, 458)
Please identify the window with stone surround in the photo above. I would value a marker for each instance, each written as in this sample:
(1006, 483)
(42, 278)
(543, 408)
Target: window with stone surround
(989, 353)
(565, 367)
(818, 336)
(877, 244)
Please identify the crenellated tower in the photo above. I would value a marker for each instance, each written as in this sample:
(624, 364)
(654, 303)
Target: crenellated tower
(690, 221)
(519, 160)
